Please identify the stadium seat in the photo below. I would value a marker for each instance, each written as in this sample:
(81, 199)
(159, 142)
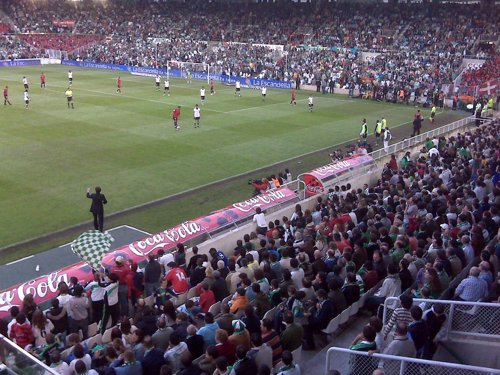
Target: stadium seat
(92, 341)
(215, 309)
(332, 326)
(344, 316)
(226, 300)
(106, 337)
(65, 353)
(181, 299)
(354, 308)
(191, 293)
(362, 299)
(92, 329)
(270, 313)
(297, 355)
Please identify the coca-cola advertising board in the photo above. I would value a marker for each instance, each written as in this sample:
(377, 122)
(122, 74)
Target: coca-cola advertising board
(315, 179)
(44, 287)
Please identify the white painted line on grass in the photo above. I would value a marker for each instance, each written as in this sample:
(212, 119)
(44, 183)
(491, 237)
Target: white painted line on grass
(19, 260)
(136, 229)
(259, 107)
(112, 229)
(122, 95)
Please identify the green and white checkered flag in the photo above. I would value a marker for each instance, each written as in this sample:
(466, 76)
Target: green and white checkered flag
(91, 247)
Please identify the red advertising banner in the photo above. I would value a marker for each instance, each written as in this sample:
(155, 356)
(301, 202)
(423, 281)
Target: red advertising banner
(189, 230)
(44, 287)
(315, 179)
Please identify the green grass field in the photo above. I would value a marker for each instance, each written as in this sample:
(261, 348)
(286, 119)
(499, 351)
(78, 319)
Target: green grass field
(126, 143)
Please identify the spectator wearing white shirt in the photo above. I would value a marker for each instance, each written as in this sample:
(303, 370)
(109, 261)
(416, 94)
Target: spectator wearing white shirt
(297, 273)
(467, 249)
(260, 219)
(80, 355)
(164, 259)
(174, 352)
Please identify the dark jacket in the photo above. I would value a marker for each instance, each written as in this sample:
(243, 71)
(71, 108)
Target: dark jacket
(246, 366)
(351, 293)
(98, 202)
(59, 318)
(152, 362)
(152, 272)
(195, 345)
(219, 287)
(197, 276)
(322, 317)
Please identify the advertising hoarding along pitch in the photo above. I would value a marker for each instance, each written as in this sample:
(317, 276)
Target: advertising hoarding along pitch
(315, 179)
(44, 287)
(250, 82)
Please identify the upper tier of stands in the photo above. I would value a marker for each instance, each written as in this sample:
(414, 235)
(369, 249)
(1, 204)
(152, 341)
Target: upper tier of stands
(421, 46)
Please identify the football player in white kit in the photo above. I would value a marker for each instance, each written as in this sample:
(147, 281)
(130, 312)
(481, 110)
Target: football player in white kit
(197, 116)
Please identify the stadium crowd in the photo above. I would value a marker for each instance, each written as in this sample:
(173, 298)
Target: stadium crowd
(251, 308)
(247, 309)
(414, 54)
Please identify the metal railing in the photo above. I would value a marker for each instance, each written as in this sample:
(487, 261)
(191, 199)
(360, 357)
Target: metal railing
(413, 141)
(351, 362)
(478, 320)
(19, 361)
(402, 146)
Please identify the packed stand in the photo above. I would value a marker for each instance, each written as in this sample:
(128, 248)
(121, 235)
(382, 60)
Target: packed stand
(415, 55)
(253, 306)
(471, 78)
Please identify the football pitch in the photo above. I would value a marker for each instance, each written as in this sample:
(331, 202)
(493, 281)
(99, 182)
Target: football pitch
(126, 143)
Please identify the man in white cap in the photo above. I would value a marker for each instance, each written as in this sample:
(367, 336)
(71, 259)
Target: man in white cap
(240, 336)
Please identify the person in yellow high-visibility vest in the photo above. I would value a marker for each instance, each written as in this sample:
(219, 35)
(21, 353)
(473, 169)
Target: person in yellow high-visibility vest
(433, 114)
(69, 97)
(491, 103)
(384, 123)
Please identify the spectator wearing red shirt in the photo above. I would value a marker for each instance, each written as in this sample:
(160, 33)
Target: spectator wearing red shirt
(207, 297)
(224, 346)
(176, 113)
(134, 283)
(122, 271)
(177, 278)
(21, 332)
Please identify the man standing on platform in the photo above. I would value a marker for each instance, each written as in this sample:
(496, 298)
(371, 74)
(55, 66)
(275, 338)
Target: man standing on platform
(97, 207)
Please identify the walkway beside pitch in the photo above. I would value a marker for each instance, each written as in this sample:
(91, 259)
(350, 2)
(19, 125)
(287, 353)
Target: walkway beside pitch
(28, 268)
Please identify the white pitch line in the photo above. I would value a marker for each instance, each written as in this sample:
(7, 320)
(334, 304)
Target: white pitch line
(121, 95)
(112, 229)
(136, 229)
(259, 107)
(136, 98)
(19, 260)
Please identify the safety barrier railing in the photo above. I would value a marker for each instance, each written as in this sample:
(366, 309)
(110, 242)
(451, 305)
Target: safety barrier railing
(467, 319)
(351, 362)
(404, 145)
(15, 360)
(413, 141)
